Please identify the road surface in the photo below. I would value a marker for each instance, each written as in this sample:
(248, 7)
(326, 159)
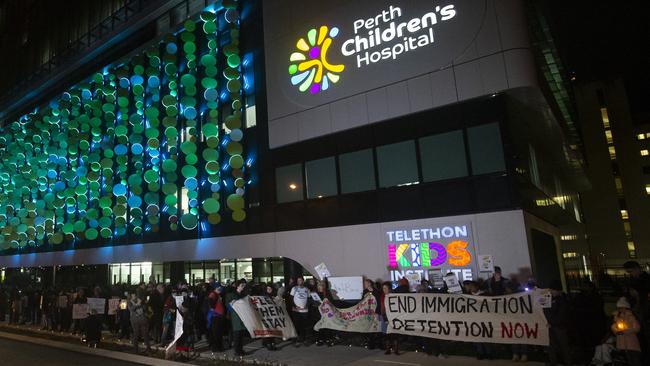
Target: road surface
(20, 353)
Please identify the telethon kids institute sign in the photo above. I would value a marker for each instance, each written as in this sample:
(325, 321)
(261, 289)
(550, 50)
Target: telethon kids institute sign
(430, 252)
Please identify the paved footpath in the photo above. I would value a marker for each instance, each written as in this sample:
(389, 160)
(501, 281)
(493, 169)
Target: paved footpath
(287, 354)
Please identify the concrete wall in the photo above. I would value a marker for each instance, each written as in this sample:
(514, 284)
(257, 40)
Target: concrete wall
(346, 250)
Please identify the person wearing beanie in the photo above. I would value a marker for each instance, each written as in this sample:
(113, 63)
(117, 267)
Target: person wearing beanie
(626, 327)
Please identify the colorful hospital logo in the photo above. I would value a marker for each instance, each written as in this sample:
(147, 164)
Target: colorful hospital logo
(429, 254)
(309, 67)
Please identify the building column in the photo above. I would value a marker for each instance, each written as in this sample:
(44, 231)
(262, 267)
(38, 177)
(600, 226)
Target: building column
(176, 272)
(292, 269)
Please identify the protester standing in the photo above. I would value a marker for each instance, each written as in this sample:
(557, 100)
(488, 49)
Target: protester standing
(626, 327)
(215, 317)
(391, 342)
(299, 298)
(238, 327)
(139, 323)
(558, 320)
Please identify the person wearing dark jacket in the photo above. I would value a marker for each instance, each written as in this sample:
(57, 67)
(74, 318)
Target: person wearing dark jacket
(558, 320)
(497, 284)
(270, 291)
(238, 327)
(93, 329)
(215, 318)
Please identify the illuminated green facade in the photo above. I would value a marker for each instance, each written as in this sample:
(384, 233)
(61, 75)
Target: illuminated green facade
(148, 145)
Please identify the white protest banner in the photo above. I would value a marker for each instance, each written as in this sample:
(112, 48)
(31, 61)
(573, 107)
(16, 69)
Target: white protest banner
(264, 318)
(113, 306)
(178, 332)
(97, 304)
(322, 271)
(359, 318)
(179, 300)
(346, 288)
(510, 319)
(80, 311)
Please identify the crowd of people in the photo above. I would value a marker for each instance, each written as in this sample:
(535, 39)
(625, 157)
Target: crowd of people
(147, 313)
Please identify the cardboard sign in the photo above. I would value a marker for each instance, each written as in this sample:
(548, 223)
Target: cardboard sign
(510, 319)
(359, 318)
(264, 318)
(414, 281)
(113, 306)
(436, 278)
(97, 304)
(346, 288)
(453, 286)
(80, 311)
(322, 271)
(485, 263)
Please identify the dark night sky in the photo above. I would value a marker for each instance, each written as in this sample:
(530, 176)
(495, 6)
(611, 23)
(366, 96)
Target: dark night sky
(604, 39)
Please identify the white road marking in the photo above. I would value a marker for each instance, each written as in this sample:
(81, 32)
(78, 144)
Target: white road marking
(398, 363)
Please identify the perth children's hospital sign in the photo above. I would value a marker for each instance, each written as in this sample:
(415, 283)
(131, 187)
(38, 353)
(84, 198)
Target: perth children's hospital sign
(338, 48)
(431, 251)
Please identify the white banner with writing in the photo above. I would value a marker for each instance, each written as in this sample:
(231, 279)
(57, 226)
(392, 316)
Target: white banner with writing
(358, 318)
(264, 318)
(510, 319)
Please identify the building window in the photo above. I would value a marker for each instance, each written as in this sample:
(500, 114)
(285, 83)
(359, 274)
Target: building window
(245, 269)
(357, 171)
(647, 188)
(251, 116)
(631, 248)
(321, 178)
(612, 152)
(627, 228)
(640, 136)
(534, 169)
(397, 164)
(288, 183)
(619, 185)
(644, 152)
(605, 117)
(228, 271)
(625, 215)
(486, 149)
(443, 156)
(608, 135)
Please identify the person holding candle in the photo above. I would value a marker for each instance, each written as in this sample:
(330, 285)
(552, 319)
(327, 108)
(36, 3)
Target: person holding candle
(626, 327)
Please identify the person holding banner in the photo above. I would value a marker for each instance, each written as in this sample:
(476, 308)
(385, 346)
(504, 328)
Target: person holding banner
(323, 335)
(269, 290)
(391, 342)
(483, 350)
(300, 297)
(558, 320)
(238, 327)
(373, 339)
